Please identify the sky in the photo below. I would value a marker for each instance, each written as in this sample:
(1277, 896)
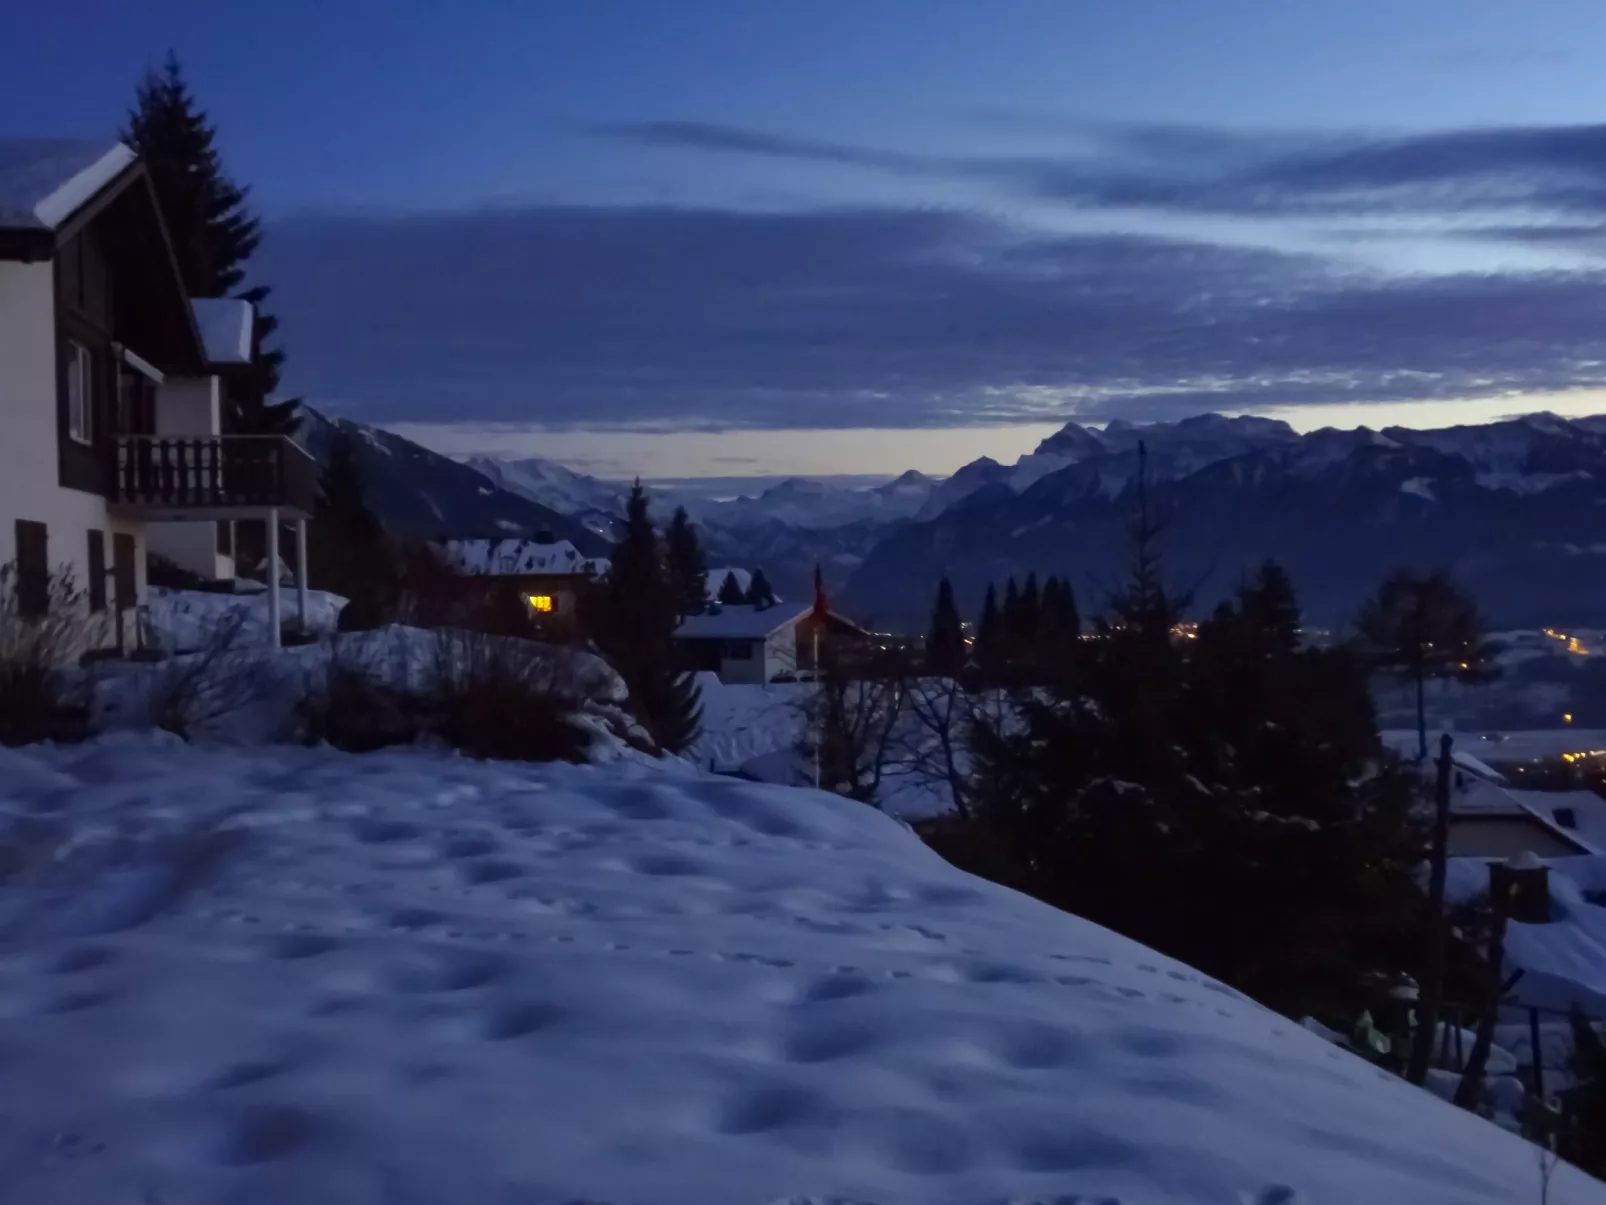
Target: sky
(711, 238)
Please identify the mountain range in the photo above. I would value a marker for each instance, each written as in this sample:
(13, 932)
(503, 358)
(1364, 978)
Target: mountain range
(1516, 509)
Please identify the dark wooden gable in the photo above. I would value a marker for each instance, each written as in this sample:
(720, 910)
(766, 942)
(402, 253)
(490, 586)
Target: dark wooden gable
(117, 287)
(114, 257)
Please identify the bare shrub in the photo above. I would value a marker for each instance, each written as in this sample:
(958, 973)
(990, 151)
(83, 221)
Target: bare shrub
(850, 725)
(357, 702)
(507, 699)
(38, 699)
(226, 674)
(489, 696)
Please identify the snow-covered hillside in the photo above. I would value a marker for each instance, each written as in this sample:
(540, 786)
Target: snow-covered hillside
(292, 975)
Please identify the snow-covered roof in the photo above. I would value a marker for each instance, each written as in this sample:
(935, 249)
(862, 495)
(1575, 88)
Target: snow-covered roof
(514, 557)
(226, 325)
(43, 181)
(1563, 961)
(740, 623)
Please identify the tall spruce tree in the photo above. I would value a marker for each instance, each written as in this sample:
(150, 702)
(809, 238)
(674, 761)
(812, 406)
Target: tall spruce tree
(759, 591)
(990, 633)
(731, 593)
(687, 565)
(1009, 626)
(945, 641)
(638, 630)
(1029, 617)
(347, 552)
(214, 234)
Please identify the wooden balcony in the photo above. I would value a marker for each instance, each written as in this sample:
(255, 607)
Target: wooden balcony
(179, 477)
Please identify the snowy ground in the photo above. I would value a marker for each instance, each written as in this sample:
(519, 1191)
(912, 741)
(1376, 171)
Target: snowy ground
(290, 975)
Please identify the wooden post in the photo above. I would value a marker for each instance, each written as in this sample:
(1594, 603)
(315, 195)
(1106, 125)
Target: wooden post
(301, 575)
(274, 637)
(1470, 1088)
(1433, 986)
(1539, 1058)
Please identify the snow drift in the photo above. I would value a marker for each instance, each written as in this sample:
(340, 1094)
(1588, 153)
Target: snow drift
(280, 975)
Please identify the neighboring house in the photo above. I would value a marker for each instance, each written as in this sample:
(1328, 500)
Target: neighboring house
(758, 644)
(550, 574)
(1489, 821)
(742, 643)
(110, 387)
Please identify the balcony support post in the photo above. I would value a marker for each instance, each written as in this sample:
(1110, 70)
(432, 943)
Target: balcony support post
(274, 636)
(301, 575)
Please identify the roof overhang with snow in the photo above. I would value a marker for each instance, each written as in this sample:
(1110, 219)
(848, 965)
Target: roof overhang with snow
(740, 622)
(227, 326)
(51, 189)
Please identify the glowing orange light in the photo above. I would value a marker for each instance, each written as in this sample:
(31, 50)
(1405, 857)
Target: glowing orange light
(541, 602)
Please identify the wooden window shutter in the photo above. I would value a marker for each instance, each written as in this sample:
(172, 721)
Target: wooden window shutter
(33, 569)
(97, 570)
(123, 577)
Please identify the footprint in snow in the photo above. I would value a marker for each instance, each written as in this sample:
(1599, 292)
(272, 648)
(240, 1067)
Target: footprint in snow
(468, 845)
(293, 946)
(489, 870)
(79, 958)
(254, 1071)
(263, 1133)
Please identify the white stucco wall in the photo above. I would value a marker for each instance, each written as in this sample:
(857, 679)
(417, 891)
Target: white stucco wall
(29, 467)
(188, 406)
(780, 652)
(191, 546)
(744, 669)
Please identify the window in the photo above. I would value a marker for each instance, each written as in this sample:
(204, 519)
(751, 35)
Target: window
(740, 650)
(80, 389)
(33, 569)
(97, 570)
(541, 602)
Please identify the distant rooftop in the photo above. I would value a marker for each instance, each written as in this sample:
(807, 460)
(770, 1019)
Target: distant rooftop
(43, 181)
(740, 623)
(514, 557)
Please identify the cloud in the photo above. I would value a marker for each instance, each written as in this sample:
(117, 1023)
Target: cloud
(677, 318)
(1200, 170)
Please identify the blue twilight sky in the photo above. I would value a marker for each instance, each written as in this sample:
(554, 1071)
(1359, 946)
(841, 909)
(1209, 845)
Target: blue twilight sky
(725, 238)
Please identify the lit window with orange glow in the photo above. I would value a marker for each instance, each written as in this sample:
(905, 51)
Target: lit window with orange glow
(541, 602)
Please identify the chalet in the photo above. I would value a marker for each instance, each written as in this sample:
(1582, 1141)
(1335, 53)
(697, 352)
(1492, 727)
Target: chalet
(550, 574)
(1490, 821)
(742, 643)
(758, 644)
(111, 383)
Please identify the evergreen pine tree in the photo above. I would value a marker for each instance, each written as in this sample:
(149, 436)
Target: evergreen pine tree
(687, 565)
(1068, 619)
(1009, 626)
(731, 593)
(945, 642)
(990, 633)
(759, 591)
(1028, 628)
(212, 231)
(638, 629)
(347, 552)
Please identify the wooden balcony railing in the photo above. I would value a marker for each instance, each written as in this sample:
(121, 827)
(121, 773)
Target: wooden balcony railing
(213, 472)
